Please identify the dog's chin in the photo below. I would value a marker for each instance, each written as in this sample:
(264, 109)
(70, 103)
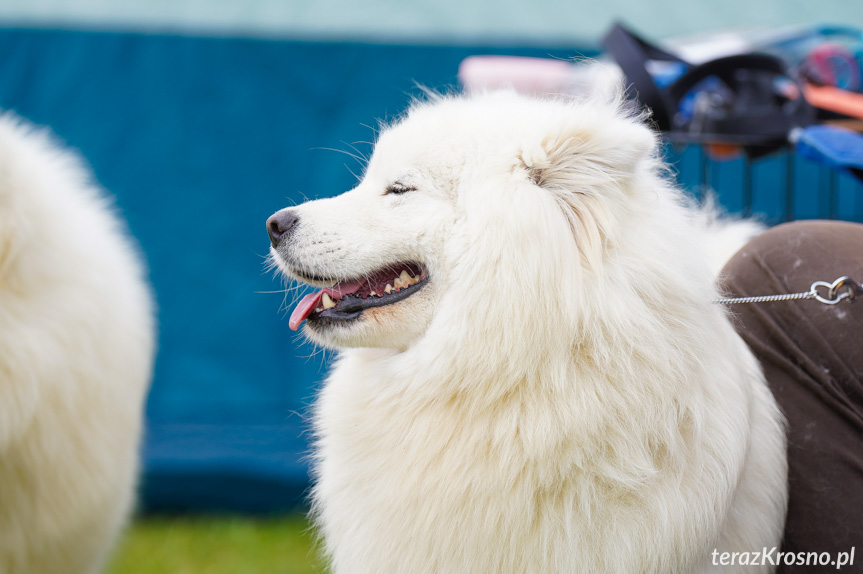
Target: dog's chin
(394, 326)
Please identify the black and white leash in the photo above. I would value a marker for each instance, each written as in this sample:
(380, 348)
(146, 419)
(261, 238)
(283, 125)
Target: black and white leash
(842, 289)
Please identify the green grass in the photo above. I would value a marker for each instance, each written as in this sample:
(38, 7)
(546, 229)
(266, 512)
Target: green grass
(216, 545)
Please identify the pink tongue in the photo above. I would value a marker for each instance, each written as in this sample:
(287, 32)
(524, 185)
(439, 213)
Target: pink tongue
(311, 301)
(304, 309)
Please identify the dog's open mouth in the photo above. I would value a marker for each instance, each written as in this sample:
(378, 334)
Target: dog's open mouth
(346, 300)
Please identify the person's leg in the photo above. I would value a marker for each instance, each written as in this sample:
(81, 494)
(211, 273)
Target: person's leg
(812, 355)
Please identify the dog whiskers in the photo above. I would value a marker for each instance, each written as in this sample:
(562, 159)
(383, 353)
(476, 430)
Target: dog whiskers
(360, 159)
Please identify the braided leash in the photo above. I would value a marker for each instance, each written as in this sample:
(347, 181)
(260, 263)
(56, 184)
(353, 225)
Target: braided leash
(842, 289)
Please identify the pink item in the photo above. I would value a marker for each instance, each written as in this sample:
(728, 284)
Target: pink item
(531, 75)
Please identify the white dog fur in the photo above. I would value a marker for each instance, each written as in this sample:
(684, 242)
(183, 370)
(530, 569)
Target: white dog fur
(76, 347)
(562, 395)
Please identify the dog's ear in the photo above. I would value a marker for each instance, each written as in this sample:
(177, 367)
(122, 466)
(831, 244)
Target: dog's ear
(596, 154)
(587, 169)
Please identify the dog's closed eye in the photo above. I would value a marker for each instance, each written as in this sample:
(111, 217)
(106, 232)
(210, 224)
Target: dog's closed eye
(398, 188)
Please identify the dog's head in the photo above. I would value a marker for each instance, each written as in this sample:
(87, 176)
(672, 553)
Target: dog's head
(471, 208)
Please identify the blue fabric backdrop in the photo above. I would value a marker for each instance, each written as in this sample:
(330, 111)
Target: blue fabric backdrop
(200, 139)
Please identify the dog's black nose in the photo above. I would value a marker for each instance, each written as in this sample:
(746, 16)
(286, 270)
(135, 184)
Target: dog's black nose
(280, 225)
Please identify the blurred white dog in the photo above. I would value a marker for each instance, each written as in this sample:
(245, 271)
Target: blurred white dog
(76, 350)
(535, 379)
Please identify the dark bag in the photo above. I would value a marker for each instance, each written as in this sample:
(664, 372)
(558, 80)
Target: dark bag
(749, 100)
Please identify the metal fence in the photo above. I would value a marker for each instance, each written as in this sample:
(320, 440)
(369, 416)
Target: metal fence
(776, 188)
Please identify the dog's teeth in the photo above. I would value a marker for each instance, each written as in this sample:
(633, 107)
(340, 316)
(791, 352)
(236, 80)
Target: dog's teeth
(416, 279)
(388, 289)
(327, 301)
(402, 280)
(318, 309)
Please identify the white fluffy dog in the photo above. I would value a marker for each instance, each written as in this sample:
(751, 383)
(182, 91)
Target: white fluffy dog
(76, 347)
(535, 379)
